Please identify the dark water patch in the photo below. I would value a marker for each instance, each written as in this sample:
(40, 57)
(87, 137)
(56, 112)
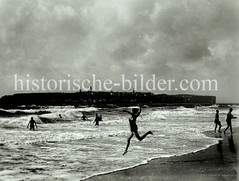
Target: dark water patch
(35, 170)
(9, 127)
(54, 120)
(29, 155)
(52, 141)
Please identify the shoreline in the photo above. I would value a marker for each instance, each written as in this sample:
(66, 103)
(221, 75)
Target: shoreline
(143, 163)
(217, 162)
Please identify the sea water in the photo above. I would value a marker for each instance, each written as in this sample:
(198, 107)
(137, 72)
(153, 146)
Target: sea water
(69, 148)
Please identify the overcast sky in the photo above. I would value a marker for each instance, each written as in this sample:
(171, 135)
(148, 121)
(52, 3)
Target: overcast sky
(173, 39)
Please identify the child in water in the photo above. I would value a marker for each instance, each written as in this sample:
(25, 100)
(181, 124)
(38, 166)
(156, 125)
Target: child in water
(217, 122)
(83, 116)
(133, 127)
(97, 119)
(32, 124)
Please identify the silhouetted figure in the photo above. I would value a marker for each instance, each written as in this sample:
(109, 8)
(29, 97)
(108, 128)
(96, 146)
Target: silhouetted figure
(32, 124)
(83, 116)
(217, 122)
(133, 127)
(229, 120)
(97, 119)
(60, 116)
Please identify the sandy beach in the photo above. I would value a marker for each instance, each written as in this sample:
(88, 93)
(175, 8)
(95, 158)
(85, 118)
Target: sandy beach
(217, 163)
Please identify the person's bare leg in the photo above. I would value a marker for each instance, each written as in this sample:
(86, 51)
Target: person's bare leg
(220, 128)
(226, 128)
(128, 143)
(140, 138)
(231, 128)
(215, 127)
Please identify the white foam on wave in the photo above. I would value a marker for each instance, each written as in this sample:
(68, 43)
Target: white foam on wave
(65, 108)
(214, 106)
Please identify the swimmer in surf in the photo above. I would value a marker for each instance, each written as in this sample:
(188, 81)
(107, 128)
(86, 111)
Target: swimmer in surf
(133, 127)
(32, 124)
(83, 116)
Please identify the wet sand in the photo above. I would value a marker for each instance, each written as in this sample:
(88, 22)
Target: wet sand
(217, 163)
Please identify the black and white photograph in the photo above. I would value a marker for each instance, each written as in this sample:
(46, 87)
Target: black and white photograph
(118, 90)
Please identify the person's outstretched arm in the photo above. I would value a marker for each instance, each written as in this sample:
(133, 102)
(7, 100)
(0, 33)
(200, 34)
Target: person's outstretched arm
(28, 125)
(140, 108)
(128, 112)
(233, 117)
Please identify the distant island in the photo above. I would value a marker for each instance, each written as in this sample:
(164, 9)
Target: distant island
(103, 99)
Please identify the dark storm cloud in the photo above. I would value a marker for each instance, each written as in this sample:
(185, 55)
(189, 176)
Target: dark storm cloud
(185, 39)
(172, 39)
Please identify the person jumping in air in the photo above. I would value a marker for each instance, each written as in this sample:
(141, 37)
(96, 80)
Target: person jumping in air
(32, 124)
(229, 120)
(133, 127)
(217, 122)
